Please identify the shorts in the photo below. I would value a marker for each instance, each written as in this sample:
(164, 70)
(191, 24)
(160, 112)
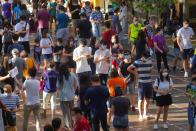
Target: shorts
(47, 56)
(164, 100)
(191, 115)
(145, 91)
(177, 52)
(186, 54)
(52, 19)
(131, 88)
(61, 33)
(49, 97)
(26, 46)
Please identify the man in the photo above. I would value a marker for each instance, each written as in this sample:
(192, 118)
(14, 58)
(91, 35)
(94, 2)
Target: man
(143, 68)
(133, 31)
(32, 102)
(96, 97)
(96, 19)
(107, 34)
(102, 61)
(22, 29)
(87, 9)
(184, 36)
(84, 27)
(62, 23)
(116, 26)
(49, 89)
(80, 56)
(43, 18)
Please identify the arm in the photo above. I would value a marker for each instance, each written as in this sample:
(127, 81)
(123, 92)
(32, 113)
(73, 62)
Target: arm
(155, 45)
(2, 78)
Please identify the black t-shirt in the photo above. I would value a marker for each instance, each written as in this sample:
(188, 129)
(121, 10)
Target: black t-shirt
(123, 67)
(121, 105)
(175, 42)
(57, 48)
(84, 29)
(140, 46)
(76, 14)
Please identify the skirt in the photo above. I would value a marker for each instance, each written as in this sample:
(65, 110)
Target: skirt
(164, 100)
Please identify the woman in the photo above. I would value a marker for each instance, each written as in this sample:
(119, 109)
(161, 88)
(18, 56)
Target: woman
(160, 49)
(140, 44)
(116, 46)
(163, 86)
(67, 85)
(120, 107)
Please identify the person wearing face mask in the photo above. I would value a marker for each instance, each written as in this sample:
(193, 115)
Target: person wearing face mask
(161, 49)
(102, 61)
(129, 77)
(133, 31)
(184, 37)
(163, 86)
(96, 18)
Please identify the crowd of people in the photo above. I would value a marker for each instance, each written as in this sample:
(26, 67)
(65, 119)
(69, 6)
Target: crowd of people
(76, 53)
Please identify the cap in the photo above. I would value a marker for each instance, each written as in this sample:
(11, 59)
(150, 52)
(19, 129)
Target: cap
(15, 51)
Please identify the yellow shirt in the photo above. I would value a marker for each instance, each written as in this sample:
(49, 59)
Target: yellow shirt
(134, 31)
(29, 64)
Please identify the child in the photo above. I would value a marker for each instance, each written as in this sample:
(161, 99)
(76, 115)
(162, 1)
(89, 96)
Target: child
(57, 52)
(46, 46)
(37, 54)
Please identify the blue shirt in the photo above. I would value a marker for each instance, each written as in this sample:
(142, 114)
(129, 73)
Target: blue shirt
(50, 81)
(96, 16)
(15, 46)
(98, 96)
(62, 19)
(116, 23)
(17, 12)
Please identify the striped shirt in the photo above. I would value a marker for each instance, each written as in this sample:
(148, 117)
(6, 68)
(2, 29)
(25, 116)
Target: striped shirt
(144, 70)
(10, 101)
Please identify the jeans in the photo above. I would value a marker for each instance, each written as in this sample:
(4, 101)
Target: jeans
(103, 78)
(96, 30)
(66, 107)
(161, 56)
(95, 123)
(36, 112)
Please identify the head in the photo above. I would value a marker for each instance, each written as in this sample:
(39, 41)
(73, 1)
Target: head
(59, 41)
(82, 43)
(44, 6)
(62, 8)
(185, 23)
(76, 113)
(23, 18)
(116, 10)
(15, 52)
(7, 88)
(93, 41)
(44, 34)
(97, 8)
(159, 30)
(135, 21)
(56, 124)
(87, 3)
(164, 75)
(48, 127)
(82, 16)
(50, 65)
(144, 55)
(32, 72)
(95, 80)
(23, 7)
(15, 38)
(103, 45)
(23, 54)
(114, 73)
(107, 25)
(141, 35)
(4, 62)
(114, 39)
(127, 56)
(118, 91)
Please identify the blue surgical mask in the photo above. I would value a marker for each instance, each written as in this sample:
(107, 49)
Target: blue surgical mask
(103, 46)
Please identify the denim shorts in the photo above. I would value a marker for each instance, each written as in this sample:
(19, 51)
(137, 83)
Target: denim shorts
(186, 54)
(177, 52)
(191, 115)
(47, 56)
(145, 91)
(131, 88)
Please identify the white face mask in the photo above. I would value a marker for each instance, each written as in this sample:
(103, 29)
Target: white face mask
(113, 40)
(165, 74)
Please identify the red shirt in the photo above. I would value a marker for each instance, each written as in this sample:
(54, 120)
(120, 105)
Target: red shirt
(107, 35)
(82, 125)
(43, 19)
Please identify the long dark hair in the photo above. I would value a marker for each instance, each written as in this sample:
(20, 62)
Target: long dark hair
(141, 35)
(162, 77)
(63, 73)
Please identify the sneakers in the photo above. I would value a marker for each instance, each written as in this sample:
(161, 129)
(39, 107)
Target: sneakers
(165, 126)
(186, 74)
(141, 118)
(155, 127)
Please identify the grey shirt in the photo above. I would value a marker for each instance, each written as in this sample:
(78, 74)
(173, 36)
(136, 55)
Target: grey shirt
(20, 64)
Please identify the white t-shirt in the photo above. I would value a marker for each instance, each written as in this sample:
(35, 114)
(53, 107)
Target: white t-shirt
(163, 85)
(46, 42)
(82, 65)
(32, 91)
(20, 27)
(102, 67)
(185, 35)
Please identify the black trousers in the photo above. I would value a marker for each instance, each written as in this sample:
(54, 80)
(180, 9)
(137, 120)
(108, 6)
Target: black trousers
(160, 57)
(103, 78)
(99, 119)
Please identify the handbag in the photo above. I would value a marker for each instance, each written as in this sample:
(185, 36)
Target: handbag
(121, 121)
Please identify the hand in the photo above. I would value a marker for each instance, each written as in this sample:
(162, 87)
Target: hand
(8, 75)
(161, 51)
(181, 50)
